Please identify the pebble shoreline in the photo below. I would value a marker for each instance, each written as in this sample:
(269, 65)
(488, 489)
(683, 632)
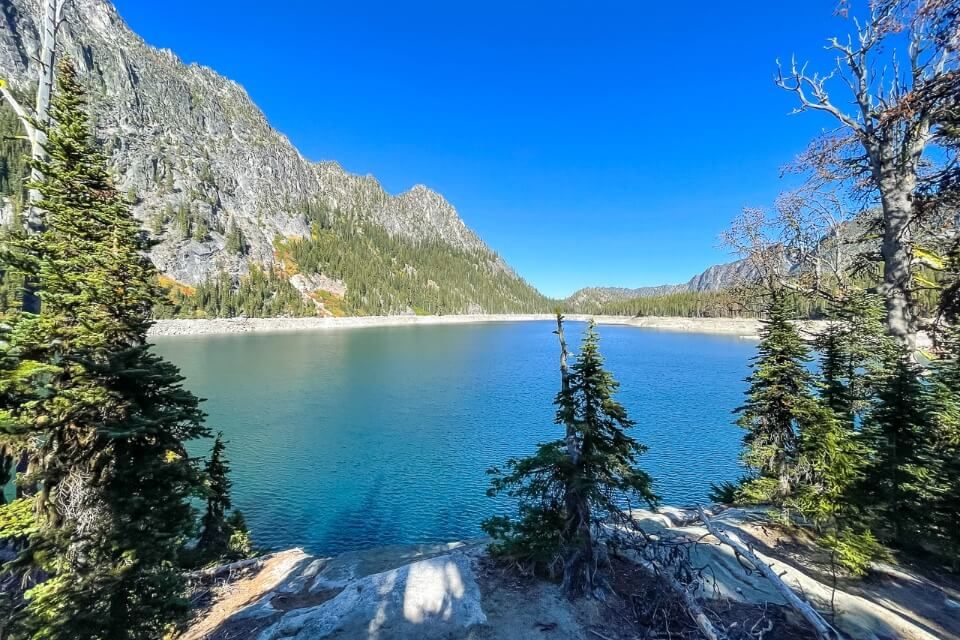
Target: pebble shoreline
(742, 327)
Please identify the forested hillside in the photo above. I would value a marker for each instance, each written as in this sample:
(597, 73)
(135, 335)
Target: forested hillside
(735, 304)
(382, 274)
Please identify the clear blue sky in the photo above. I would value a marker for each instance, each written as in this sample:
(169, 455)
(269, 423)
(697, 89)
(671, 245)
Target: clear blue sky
(589, 143)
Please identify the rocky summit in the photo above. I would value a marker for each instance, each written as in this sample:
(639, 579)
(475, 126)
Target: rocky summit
(716, 278)
(200, 163)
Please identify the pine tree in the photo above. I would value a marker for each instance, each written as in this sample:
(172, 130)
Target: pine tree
(779, 401)
(897, 433)
(829, 461)
(16, 386)
(215, 536)
(201, 232)
(829, 465)
(234, 242)
(834, 365)
(183, 222)
(850, 348)
(157, 223)
(112, 416)
(945, 414)
(571, 485)
(240, 546)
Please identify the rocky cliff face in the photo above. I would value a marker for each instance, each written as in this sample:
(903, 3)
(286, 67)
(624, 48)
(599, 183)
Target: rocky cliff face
(716, 278)
(721, 276)
(188, 145)
(851, 244)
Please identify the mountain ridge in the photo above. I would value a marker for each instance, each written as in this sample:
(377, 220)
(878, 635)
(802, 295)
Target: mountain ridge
(197, 157)
(715, 278)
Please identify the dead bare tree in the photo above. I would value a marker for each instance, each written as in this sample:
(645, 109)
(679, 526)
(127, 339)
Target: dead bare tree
(35, 123)
(753, 235)
(879, 146)
(813, 228)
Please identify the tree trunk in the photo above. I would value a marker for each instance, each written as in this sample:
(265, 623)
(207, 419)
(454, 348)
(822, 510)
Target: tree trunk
(784, 481)
(41, 114)
(23, 466)
(580, 563)
(693, 608)
(36, 124)
(41, 111)
(214, 572)
(571, 432)
(896, 190)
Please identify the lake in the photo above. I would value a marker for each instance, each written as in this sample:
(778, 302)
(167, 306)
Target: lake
(348, 439)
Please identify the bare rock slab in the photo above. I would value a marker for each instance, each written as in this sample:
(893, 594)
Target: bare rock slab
(432, 598)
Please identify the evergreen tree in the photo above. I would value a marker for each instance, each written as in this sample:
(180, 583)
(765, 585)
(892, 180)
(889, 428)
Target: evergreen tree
(850, 348)
(14, 389)
(830, 462)
(240, 545)
(215, 536)
(897, 433)
(157, 223)
(111, 415)
(201, 232)
(571, 485)
(182, 222)
(235, 242)
(945, 414)
(14, 154)
(779, 401)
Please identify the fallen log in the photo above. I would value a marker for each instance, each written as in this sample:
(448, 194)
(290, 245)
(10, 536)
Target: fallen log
(214, 572)
(662, 567)
(694, 609)
(820, 626)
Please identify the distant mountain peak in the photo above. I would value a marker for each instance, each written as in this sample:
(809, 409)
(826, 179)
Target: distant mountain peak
(714, 278)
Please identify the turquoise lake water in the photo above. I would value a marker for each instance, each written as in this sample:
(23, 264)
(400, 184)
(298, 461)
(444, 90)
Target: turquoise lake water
(349, 439)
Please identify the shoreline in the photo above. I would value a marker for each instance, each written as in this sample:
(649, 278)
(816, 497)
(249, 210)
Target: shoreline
(452, 589)
(737, 327)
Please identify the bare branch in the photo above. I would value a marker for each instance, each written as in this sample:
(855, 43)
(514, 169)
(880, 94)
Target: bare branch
(799, 83)
(20, 112)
